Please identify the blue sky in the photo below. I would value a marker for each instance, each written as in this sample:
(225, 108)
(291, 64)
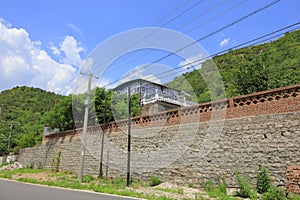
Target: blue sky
(44, 43)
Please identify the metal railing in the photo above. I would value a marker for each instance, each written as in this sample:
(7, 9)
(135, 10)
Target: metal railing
(166, 98)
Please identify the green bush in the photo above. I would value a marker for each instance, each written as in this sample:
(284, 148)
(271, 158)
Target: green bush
(246, 191)
(87, 178)
(219, 191)
(274, 193)
(154, 181)
(263, 180)
(222, 186)
(208, 186)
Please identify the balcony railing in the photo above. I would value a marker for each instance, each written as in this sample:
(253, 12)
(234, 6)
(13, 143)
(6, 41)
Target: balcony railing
(166, 98)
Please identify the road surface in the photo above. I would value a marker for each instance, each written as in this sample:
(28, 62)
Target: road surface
(12, 190)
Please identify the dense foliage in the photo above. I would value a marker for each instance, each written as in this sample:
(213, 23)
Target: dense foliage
(247, 70)
(25, 111)
(104, 106)
(22, 109)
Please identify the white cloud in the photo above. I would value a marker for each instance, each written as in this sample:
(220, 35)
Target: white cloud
(140, 72)
(224, 42)
(68, 51)
(23, 62)
(55, 50)
(72, 49)
(192, 62)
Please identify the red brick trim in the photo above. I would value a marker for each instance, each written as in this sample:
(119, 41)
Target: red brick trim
(280, 100)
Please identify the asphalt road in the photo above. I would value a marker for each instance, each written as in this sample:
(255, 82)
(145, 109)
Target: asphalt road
(12, 190)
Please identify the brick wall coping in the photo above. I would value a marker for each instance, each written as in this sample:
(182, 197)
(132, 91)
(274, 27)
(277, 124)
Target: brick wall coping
(265, 102)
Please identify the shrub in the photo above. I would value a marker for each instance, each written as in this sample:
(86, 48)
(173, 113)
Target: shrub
(56, 161)
(274, 193)
(87, 178)
(219, 191)
(246, 191)
(208, 186)
(154, 181)
(222, 186)
(263, 180)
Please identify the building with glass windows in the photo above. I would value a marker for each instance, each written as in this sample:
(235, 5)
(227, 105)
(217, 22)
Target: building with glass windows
(164, 98)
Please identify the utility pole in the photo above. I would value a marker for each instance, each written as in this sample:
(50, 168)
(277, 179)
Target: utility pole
(107, 159)
(85, 124)
(129, 139)
(102, 141)
(9, 138)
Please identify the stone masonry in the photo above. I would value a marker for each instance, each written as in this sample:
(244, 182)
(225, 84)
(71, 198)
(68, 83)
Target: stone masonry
(190, 145)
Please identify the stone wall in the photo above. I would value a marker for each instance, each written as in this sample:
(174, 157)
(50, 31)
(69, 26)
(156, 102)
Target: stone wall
(190, 145)
(184, 154)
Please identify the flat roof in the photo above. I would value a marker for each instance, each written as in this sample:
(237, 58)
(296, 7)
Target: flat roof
(122, 85)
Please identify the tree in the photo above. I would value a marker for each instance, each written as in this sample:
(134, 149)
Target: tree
(252, 77)
(120, 106)
(102, 100)
(4, 134)
(68, 113)
(61, 116)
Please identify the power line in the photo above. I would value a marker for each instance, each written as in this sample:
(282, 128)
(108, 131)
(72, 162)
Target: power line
(152, 32)
(65, 88)
(179, 15)
(183, 70)
(182, 13)
(216, 16)
(160, 20)
(204, 37)
(201, 14)
(172, 12)
(232, 48)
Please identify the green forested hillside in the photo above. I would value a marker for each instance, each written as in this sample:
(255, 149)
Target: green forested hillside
(250, 69)
(22, 109)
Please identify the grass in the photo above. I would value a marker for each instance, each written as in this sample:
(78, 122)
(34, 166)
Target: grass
(69, 180)
(118, 186)
(217, 191)
(171, 190)
(9, 173)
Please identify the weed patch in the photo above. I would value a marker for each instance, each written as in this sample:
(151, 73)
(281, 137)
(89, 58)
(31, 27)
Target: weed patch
(154, 181)
(246, 191)
(263, 180)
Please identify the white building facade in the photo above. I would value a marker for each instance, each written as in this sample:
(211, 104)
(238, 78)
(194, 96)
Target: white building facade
(151, 92)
